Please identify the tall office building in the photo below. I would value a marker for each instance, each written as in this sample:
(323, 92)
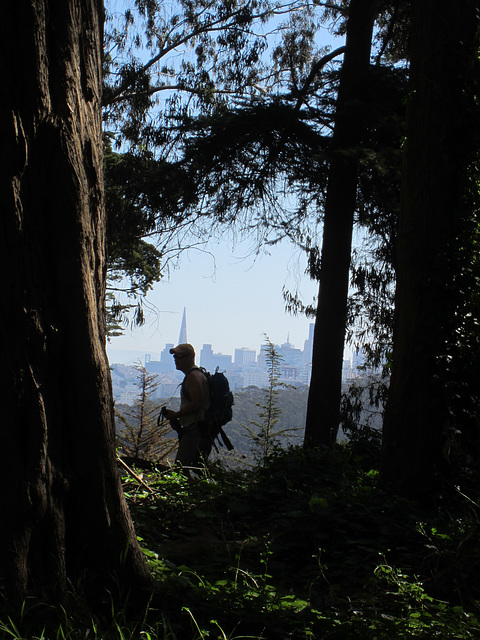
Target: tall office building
(289, 354)
(358, 361)
(308, 346)
(210, 361)
(182, 338)
(206, 357)
(166, 358)
(164, 365)
(244, 357)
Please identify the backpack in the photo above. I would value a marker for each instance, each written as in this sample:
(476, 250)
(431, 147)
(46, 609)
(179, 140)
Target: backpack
(221, 403)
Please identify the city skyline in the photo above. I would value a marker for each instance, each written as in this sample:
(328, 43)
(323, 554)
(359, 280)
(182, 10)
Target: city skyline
(154, 355)
(245, 368)
(232, 296)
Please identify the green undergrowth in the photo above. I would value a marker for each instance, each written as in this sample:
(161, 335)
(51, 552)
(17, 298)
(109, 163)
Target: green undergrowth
(307, 546)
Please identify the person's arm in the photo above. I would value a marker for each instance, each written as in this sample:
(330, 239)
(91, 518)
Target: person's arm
(194, 386)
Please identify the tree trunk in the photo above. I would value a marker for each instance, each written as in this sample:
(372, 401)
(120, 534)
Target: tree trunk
(62, 508)
(444, 45)
(324, 398)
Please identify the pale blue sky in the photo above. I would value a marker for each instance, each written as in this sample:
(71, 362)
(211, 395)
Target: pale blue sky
(232, 299)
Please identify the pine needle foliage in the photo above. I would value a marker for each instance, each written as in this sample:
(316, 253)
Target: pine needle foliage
(265, 438)
(141, 437)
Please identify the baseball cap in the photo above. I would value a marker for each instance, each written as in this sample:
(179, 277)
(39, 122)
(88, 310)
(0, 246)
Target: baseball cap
(184, 349)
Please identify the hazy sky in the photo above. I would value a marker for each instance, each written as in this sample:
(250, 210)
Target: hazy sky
(231, 298)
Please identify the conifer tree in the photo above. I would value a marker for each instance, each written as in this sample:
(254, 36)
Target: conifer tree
(434, 392)
(263, 434)
(323, 413)
(141, 437)
(278, 124)
(64, 517)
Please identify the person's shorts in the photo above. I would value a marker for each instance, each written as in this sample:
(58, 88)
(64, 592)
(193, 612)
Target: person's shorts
(195, 445)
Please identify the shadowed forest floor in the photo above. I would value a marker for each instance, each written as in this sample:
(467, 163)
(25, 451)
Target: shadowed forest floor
(309, 546)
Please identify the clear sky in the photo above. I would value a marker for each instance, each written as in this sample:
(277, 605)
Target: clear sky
(232, 299)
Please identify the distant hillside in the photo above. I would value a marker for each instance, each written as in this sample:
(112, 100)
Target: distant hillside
(292, 401)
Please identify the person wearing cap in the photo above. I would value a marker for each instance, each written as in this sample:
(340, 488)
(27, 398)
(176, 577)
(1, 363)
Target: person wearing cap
(195, 443)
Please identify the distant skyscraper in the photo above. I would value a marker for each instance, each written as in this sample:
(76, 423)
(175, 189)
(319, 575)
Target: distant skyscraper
(210, 361)
(182, 338)
(206, 356)
(308, 345)
(245, 356)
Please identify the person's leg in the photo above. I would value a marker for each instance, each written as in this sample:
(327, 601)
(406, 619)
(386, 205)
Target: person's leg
(188, 454)
(194, 447)
(204, 441)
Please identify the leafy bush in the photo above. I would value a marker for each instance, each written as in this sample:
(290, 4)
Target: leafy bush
(306, 546)
(310, 545)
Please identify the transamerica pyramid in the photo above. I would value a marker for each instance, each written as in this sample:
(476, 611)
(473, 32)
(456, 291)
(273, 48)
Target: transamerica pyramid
(183, 329)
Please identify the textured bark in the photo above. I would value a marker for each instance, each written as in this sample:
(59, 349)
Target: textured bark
(444, 45)
(62, 509)
(324, 398)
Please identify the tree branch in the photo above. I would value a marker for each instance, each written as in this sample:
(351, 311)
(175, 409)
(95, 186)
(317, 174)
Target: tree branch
(317, 67)
(215, 25)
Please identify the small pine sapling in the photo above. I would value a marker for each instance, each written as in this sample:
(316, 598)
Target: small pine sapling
(265, 438)
(139, 436)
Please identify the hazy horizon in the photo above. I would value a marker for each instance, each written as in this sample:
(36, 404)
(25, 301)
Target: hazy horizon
(231, 300)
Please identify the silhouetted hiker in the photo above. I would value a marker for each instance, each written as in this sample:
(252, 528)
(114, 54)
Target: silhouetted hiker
(195, 441)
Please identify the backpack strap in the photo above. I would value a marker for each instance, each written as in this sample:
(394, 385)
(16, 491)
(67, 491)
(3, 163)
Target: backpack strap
(182, 384)
(226, 439)
(221, 433)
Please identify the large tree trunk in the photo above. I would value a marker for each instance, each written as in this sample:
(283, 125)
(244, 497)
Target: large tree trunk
(444, 46)
(324, 397)
(62, 508)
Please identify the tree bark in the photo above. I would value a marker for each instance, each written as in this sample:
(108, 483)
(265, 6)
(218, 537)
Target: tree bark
(444, 45)
(323, 410)
(62, 508)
